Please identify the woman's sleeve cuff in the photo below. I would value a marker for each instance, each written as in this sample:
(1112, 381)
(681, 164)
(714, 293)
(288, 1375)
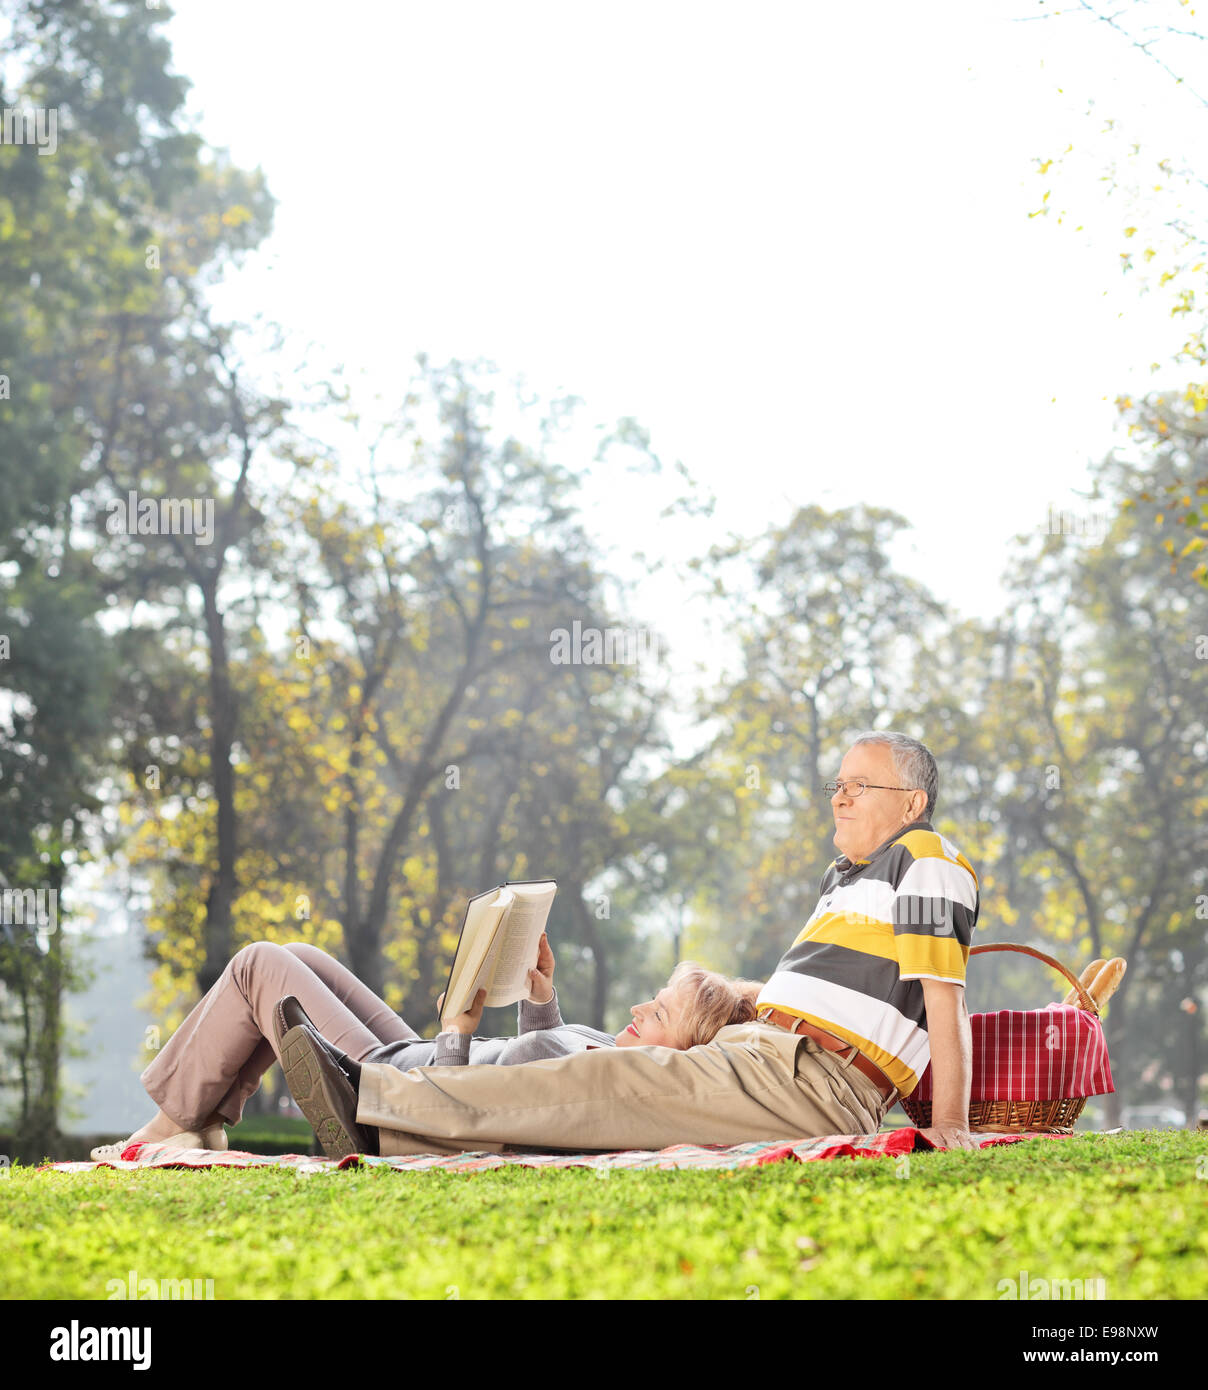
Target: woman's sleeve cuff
(535, 1016)
(452, 1050)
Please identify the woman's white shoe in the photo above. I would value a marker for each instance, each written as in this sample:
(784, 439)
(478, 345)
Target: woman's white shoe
(213, 1138)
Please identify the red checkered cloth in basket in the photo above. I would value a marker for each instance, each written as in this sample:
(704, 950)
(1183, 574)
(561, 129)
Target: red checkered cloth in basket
(1035, 1054)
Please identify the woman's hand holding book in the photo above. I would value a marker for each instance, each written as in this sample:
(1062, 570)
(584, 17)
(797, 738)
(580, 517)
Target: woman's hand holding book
(467, 1022)
(541, 981)
(541, 978)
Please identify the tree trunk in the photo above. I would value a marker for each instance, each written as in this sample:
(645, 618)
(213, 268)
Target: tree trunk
(488, 853)
(1191, 1077)
(363, 934)
(587, 927)
(1117, 1034)
(41, 1130)
(419, 1006)
(217, 934)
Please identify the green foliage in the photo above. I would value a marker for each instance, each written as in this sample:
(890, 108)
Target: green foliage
(1170, 492)
(110, 367)
(828, 631)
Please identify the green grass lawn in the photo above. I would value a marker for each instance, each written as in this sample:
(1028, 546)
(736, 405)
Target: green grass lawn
(1131, 1209)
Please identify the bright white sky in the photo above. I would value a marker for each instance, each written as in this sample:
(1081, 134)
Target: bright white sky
(791, 239)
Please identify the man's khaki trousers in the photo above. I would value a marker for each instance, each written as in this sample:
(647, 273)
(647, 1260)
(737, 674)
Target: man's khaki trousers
(752, 1082)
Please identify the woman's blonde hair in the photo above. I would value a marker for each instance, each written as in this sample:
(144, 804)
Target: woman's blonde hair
(711, 1001)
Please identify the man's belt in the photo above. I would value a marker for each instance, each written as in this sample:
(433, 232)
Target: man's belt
(791, 1024)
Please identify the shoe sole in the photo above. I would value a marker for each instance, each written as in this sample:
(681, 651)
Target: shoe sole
(317, 1094)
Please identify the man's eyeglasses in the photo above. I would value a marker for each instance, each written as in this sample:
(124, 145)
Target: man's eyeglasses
(857, 786)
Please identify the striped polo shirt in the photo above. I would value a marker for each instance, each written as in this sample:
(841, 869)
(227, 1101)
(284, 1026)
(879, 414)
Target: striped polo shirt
(882, 926)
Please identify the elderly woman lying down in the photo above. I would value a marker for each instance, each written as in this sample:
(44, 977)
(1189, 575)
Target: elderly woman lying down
(216, 1058)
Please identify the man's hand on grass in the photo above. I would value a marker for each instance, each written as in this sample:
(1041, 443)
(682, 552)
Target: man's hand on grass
(541, 980)
(951, 1136)
(467, 1022)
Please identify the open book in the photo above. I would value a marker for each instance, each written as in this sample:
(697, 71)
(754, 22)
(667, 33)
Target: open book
(497, 948)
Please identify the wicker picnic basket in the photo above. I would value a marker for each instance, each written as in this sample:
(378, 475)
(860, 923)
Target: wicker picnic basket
(1056, 1116)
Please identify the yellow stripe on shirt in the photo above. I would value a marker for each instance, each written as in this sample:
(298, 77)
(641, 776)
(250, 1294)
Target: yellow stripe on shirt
(925, 844)
(921, 954)
(853, 930)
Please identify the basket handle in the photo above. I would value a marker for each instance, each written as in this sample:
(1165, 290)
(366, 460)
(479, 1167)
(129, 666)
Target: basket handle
(1087, 1002)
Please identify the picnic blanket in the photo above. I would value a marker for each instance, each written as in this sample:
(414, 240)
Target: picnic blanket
(886, 1144)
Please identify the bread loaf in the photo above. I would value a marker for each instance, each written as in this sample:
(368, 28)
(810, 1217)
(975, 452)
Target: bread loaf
(1085, 981)
(1107, 981)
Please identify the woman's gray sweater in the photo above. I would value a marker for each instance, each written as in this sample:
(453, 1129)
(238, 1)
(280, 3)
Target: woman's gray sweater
(541, 1034)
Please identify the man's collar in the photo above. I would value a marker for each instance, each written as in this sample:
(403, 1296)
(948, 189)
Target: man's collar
(844, 865)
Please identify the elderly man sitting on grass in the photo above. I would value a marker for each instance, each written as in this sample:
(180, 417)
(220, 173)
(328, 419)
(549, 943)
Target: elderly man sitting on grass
(869, 992)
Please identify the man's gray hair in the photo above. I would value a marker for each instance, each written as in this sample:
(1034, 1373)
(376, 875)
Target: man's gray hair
(913, 762)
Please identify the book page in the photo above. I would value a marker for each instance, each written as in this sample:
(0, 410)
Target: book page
(476, 950)
(517, 940)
